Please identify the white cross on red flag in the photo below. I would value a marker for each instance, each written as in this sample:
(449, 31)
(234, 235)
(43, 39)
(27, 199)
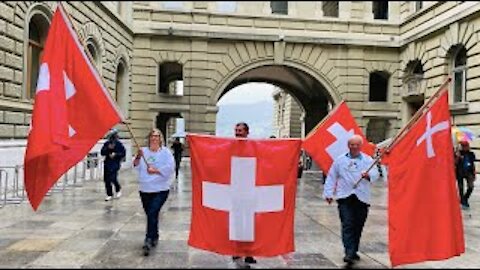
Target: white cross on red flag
(72, 110)
(424, 217)
(330, 139)
(243, 195)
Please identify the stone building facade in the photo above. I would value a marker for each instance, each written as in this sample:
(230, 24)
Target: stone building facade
(106, 29)
(384, 58)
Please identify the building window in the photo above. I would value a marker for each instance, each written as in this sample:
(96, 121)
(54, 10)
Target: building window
(418, 5)
(330, 8)
(226, 6)
(413, 77)
(121, 88)
(173, 5)
(459, 74)
(378, 86)
(170, 79)
(94, 52)
(380, 10)
(37, 35)
(279, 7)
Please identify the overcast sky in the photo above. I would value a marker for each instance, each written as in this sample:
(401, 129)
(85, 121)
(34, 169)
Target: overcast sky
(248, 93)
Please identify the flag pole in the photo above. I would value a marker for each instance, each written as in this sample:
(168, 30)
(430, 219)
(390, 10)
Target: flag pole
(324, 119)
(87, 52)
(406, 128)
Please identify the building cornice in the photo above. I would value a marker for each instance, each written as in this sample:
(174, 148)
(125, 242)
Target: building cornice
(305, 33)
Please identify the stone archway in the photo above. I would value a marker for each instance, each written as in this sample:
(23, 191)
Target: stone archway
(312, 91)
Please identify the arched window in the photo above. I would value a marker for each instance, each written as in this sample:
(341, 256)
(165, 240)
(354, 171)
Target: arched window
(38, 25)
(170, 79)
(413, 77)
(459, 73)
(92, 48)
(121, 88)
(378, 86)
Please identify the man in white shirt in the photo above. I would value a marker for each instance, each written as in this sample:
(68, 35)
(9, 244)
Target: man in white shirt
(353, 202)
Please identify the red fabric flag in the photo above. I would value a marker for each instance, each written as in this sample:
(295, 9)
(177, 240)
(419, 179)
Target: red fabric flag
(425, 222)
(72, 110)
(243, 195)
(330, 139)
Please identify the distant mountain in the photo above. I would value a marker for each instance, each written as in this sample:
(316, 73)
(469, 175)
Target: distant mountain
(258, 116)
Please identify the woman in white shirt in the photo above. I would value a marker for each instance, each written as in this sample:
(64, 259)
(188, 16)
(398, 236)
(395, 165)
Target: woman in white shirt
(154, 182)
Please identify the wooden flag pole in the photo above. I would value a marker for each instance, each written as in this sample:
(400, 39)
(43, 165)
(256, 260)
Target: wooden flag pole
(406, 128)
(87, 52)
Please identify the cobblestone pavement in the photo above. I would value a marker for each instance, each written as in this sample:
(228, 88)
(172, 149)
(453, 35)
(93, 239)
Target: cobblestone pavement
(76, 228)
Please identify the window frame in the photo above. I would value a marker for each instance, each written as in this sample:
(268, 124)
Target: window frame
(461, 69)
(37, 10)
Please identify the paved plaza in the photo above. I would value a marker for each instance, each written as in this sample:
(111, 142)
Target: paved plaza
(76, 228)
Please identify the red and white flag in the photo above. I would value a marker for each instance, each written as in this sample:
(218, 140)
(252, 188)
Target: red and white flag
(424, 216)
(72, 110)
(330, 139)
(243, 195)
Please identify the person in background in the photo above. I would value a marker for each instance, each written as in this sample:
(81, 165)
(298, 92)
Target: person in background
(465, 169)
(177, 148)
(114, 152)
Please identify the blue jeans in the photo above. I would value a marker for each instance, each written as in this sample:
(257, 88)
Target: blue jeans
(353, 214)
(152, 203)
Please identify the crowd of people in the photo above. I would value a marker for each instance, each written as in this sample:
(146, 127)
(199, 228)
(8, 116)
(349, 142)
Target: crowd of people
(156, 165)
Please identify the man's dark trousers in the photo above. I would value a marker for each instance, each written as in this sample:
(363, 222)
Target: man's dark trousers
(353, 214)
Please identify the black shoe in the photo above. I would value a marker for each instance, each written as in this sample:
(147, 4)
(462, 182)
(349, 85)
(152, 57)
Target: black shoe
(250, 260)
(146, 250)
(348, 259)
(356, 257)
(147, 246)
(239, 263)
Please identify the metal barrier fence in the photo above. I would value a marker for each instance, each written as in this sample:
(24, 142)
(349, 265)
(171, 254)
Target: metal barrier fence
(12, 188)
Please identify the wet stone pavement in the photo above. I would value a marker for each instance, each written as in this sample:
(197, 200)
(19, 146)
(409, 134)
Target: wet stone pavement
(76, 228)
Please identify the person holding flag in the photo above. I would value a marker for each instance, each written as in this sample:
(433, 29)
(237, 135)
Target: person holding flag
(155, 173)
(353, 202)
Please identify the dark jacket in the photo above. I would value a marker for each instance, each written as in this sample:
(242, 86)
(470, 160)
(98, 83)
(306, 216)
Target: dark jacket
(113, 165)
(465, 163)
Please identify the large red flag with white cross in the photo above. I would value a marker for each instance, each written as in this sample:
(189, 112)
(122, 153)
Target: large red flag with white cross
(424, 217)
(243, 195)
(330, 138)
(72, 110)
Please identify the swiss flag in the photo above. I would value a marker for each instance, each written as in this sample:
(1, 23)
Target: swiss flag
(72, 110)
(243, 195)
(424, 218)
(330, 138)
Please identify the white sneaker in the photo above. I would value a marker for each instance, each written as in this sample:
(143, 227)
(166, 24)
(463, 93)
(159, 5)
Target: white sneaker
(118, 194)
(108, 198)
